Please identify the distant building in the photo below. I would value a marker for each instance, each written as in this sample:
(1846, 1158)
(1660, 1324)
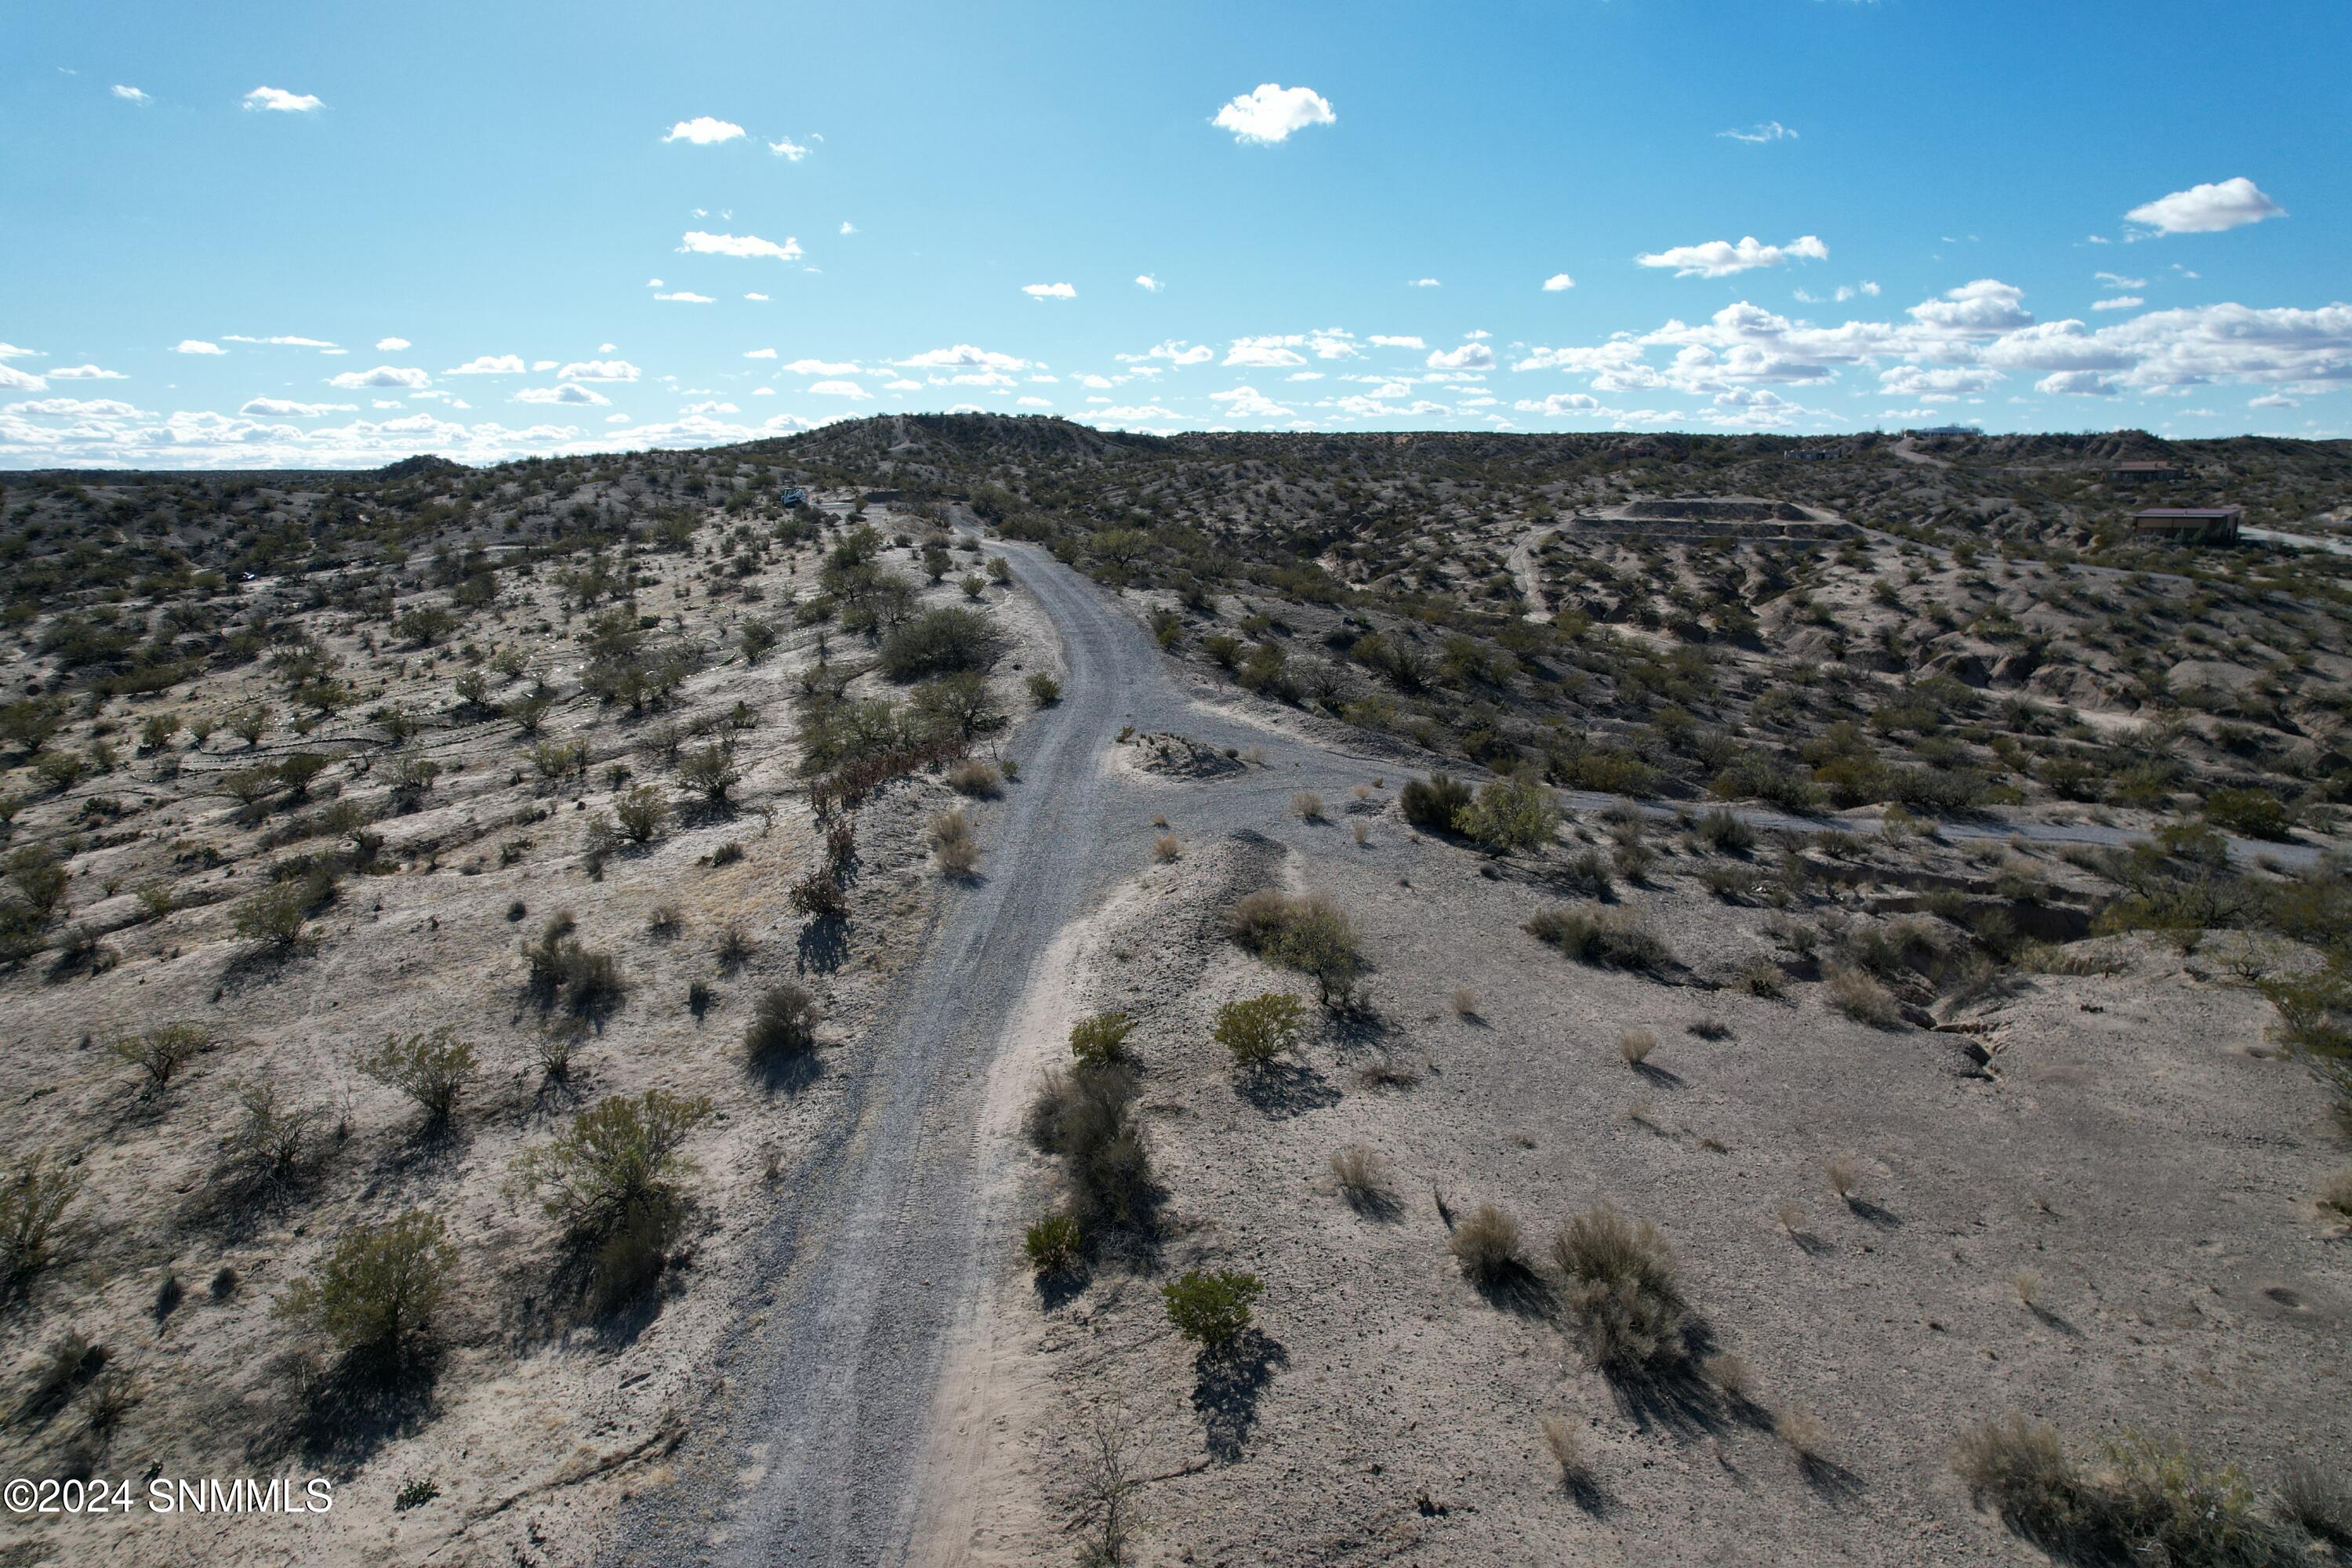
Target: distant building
(2138, 471)
(2189, 524)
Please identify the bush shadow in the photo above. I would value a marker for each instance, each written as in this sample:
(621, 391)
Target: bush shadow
(1230, 1382)
(1288, 1089)
(822, 946)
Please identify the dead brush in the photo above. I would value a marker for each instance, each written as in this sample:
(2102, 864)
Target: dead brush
(1361, 1176)
(1489, 1246)
(953, 843)
(1621, 1289)
(1566, 1444)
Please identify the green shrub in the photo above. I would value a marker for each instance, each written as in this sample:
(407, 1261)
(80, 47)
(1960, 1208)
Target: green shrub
(1306, 932)
(938, 642)
(267, 1141)
(1513, 814)
(612, 1177)
(1210, 1308)
(1611, 939)
(377, 1290)
(1435, 803)
(433, 1070)
(1101, 1039)
(1258, 1030)
(275, 914)
(1044, 690)
(2249, 813)
(1054, 1245)
(562, 970)
(163, 1051)
(642, 813)
(32, 1199)
(1724, 833)
(1085, 1116)
(710, 770)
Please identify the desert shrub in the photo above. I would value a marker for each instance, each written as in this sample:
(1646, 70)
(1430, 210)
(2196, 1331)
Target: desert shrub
(819, 895)
(938, 642)
(952, 842)
(159, 1053)
(1434, 803)
(642, 813)
(1044, 690)
(1307, 805)
(433, 1070)
(1101, 1039)
(1488, 1246)
(1210, 1308)
(1085, 1116)
(1759, 976)
(1511, 814)
(32, 1200)
(1590, 873)
(1724, 833)
(2250, 813)
(266, 1141)
(1566, 1446)
(712, 770)
(275, 914)
(378, 1288)
(783, 1023)
(1859, 996)
(1635, 1046)
(2317, 1503)
(1619, 1287)
(1610, 938)
(1306, 932)
(1360, 1174)
(1054, 1245)
(612, 1180)
(975, 778)
(565, 970)
(1259, 1029)
(1167, 849)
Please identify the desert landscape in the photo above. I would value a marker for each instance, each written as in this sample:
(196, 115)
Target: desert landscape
(978, 990)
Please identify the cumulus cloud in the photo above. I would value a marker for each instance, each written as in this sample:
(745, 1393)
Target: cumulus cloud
(1560, 404)
(1721, 259)
(849, 389)
(286, 408)
(792, 152)
(280, 101)
(963, 356)
(489, 365)
(1469, 356)
(2207, 209)
(2117, 280)
(738, 245)
(1764, 131)
(197, 346)
(129, 94)
(1262, 353)
(1049, 291)
(85, 373)
(570, 392)
(685, 297)
(383, 375)
(1148, 283)
(1137, 411)
(82, 408)
(2077, 384)
(1927, 383)
(1557, 282)
(391, 345)
(14, 380)
(1421, 283)
(1248, 402)
(694, 408)
(1986, 305)
(704, 131)
(1382, 341)
(1175, 350)
(1269, 113)
(759, 353)
(823, 367)
(282, 340)
(2119, 302)
(598, 370)
(1035, 402)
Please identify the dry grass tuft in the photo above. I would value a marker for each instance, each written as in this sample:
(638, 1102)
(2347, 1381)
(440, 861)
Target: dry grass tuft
(1635, 1046)
(1361, 1175)
(977, 779)
(1862, 998)
(1167, 849)
(1308, 805)
(1621, 1287)
(1566, 1444)
(1488, 1246)
(952, 842)
(1844, 1173)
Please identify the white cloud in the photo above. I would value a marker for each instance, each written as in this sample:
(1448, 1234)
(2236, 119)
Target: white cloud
(1559, 403)
(2117, 280)
(1097, 382)
(129, 94)
(2077, 384)
(599, 369)
(849, 389)
(80, 408)
(1176, 351)
(280, 101)
(1137, 411)
(538, 366)
(85, 373)
(1269, 113)
(1248, 402)
(1557, 282)
(281, 340)
(383, 375)
(848, 226)
(823, 367)
(792, 152)
(692, 409)
(568, 394)
(1986, 305)
(286, 408)
(962, 355)
(10, 350)
(2119, 302)
(391, 345)
(1049, 291)
(2207, 209)
(1035, 402)
(1379, 342)
(1927, 383)
(1469, 356)
(488, 365)
(902, 383)
(759, 353)
(1262, 355)
(703, 131)
(740, 245)
(1721, 259)
(684, 297)
(14, 380)
(1422, 283)
(1148, 283)
(1765, 131)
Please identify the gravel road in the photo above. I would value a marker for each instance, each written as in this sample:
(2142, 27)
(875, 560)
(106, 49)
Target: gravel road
(833, 1372)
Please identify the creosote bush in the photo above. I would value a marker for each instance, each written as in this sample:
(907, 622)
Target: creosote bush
(376, 1291)
(562, 970)
(1210, 1308)
(1085, 1117)
(1101, 1039)
(1619, 1287)
(1608, 937)
(1511, 814)
(1434, 803)
(612, 1180)
(1306, 933)
(1258, 1029)
(431, 1068)
(784, 1023)
(32, 1199)
(162, 1052)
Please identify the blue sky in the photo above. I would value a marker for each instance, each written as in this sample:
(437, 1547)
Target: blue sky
(502, 229)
